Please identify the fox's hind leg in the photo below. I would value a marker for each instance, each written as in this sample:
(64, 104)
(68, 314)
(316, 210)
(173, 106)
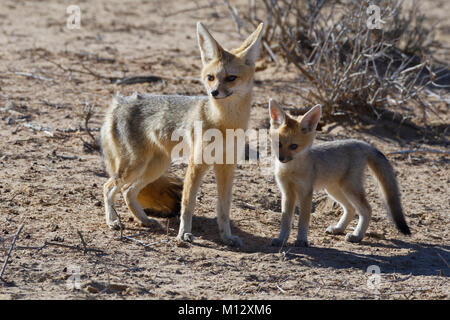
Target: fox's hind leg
(336, 194)
(153, 170)
(110, 189)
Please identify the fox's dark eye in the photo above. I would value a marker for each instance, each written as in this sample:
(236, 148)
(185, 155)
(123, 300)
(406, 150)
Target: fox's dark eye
(210, 77)
(293, 146)
(230, 78)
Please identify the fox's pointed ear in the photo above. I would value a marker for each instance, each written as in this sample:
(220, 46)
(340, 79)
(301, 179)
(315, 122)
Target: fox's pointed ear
(309, 121)
(250, 48)
(209, 48)
(277, 115)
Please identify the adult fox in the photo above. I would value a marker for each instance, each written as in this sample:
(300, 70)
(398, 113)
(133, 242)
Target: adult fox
(137, 144)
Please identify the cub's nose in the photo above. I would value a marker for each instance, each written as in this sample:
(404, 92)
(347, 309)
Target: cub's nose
(215, 93)
(281, 158)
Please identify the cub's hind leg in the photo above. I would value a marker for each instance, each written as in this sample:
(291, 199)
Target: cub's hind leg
(338, 195)
(356, 195)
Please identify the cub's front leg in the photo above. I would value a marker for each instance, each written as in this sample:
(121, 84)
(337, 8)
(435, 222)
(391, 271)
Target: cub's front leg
(288, 199)
(305, 201)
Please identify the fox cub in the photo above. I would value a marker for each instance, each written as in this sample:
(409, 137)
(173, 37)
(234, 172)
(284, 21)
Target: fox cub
(337, 166)
(137, 142)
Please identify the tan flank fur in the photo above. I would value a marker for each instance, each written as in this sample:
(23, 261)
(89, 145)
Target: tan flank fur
(136, 137)
(338, 167)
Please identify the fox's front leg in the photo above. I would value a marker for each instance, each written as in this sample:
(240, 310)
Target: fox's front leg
(224, 177)
(305, 201)
(288, 198)
(194, 175)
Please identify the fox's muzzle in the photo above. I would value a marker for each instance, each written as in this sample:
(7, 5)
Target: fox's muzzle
(216, 94)
(284, 159)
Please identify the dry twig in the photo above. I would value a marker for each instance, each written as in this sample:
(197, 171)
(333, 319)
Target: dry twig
(82, 241)
(33, 76)
(10, 251)
(144, 244)
(55, 244)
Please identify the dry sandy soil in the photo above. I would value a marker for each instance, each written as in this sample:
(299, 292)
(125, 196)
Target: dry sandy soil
(51, 181)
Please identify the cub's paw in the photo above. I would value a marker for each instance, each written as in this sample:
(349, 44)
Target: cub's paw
(301, 243)
(350, 237)
(334, 230)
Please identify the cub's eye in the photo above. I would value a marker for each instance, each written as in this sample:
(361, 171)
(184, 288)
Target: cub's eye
(230, 78)
(210, 77)
(293, 146)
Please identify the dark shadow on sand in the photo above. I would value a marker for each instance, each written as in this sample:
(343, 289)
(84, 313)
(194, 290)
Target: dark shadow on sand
(422, 258)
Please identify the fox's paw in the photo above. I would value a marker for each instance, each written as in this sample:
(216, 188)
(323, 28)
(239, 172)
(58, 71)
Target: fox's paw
(301, 243)
(187, 237)
(276, 242)
(233, 241)
(350, 237)
(116, 225)
(334, 230)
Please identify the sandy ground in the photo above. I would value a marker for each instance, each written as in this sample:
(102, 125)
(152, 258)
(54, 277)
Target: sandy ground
(51, 182)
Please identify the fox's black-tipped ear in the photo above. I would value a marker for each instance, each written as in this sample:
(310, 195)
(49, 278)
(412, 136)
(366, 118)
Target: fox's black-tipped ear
(251, 47)
(309, 121)
(209, 48)
(277, 115)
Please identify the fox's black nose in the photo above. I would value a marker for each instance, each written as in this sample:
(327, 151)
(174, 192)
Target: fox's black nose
(281, 158)
(215, 93)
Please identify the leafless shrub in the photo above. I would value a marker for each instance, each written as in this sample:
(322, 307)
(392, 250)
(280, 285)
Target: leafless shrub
(352, 68)
(410, 32)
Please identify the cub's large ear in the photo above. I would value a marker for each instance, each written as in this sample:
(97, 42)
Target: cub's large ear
(309, 121)
(277, 115)
(250, 48)
(209, 48)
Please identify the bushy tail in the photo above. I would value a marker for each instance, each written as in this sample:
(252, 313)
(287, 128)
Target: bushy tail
(162, 198)
(384, 172)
